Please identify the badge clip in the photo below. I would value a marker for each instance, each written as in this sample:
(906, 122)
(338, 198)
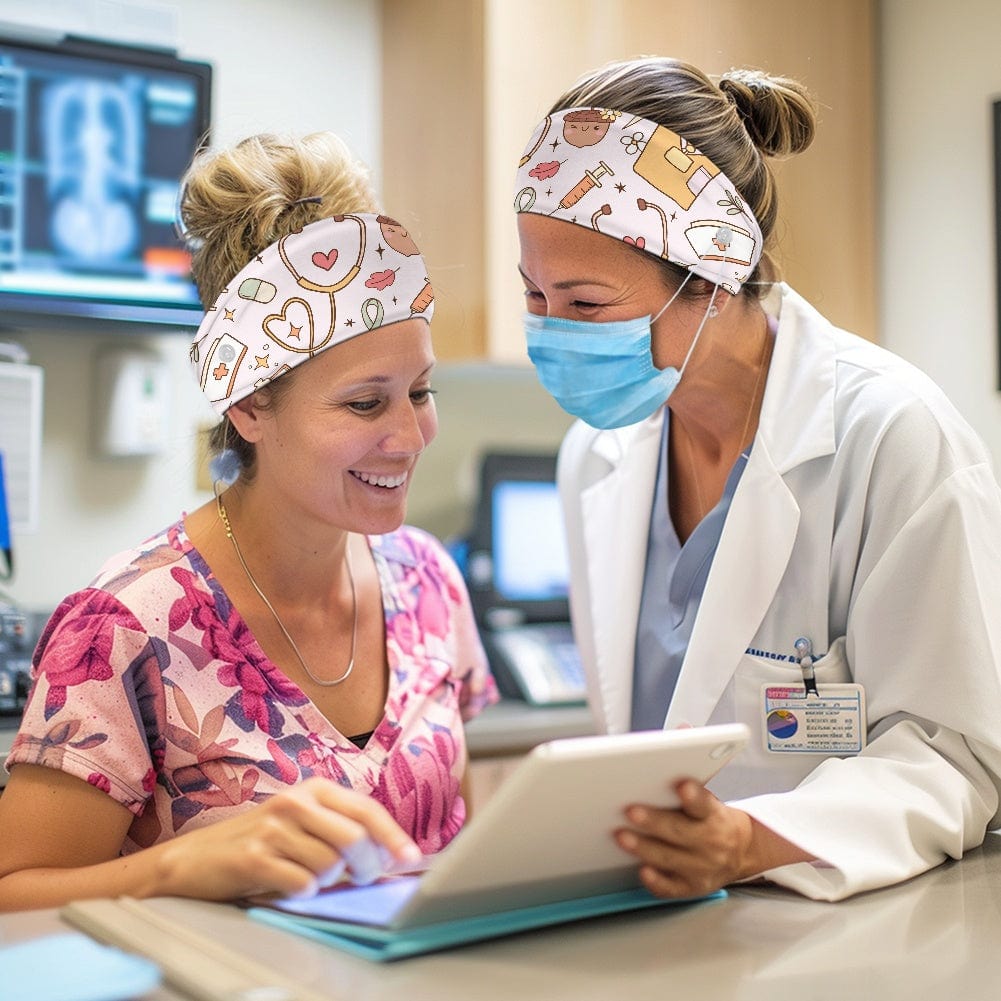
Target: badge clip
(804, 654)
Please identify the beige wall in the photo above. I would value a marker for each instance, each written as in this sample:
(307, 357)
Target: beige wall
(939, 74)
(433, 153)
(532, 51)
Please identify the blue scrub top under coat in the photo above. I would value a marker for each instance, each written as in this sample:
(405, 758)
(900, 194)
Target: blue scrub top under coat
(673, 584)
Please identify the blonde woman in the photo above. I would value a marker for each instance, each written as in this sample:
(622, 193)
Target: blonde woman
(269, 694)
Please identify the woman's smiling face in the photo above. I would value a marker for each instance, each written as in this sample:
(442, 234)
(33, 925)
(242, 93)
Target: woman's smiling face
(342, 445)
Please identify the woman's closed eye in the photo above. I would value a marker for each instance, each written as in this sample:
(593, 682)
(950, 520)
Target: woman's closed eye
(536, 298)
(422, 396)
(418, 397)
(583, 306)
(363, 406)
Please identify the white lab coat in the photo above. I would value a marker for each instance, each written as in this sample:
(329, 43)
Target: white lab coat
(867, 511)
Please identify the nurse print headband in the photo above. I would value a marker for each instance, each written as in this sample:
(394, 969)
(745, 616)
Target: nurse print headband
(319, 286)
(638, 181)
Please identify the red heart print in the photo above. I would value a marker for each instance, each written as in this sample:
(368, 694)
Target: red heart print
(325, 261)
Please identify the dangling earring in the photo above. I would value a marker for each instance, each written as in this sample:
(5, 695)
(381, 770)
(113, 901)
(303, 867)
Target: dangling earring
(713, 311)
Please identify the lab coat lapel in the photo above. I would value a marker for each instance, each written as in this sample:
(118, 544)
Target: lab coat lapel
(616, 559)
(751, 558)
(796, 425)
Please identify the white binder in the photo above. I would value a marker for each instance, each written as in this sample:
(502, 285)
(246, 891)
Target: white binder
(21, 442)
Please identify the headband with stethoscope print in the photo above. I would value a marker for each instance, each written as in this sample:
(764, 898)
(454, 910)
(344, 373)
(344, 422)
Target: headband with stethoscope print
(330, 281)
(632, 179)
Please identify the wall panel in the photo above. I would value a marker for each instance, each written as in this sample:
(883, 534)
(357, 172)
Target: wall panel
(531, 51)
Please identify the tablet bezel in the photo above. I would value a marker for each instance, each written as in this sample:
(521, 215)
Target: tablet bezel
(547, 833)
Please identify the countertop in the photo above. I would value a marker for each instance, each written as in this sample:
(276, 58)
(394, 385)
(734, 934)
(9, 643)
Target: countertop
(513, 727)
(935, 936)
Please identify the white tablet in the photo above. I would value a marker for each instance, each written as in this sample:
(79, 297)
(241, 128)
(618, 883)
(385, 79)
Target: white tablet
(546, 834)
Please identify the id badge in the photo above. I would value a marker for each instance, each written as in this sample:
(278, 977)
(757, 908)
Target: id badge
(829, 722)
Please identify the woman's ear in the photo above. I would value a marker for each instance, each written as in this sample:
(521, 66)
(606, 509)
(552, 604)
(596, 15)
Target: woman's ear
(247, 418)
(721, 303)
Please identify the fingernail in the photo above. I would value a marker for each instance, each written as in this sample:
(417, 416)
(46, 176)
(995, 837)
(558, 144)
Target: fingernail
(410, 853)
(628, 840)
(310, 890)
(333, 874)
(637, 815)
(363, 860)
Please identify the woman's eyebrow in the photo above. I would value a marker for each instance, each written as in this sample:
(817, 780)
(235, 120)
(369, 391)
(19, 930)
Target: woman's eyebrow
(568, 283)
(380, 380)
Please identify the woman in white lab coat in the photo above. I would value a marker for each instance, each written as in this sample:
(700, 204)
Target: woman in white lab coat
(805, 538)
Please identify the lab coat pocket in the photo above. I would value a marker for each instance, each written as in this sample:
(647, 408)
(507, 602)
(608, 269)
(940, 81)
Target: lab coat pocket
(756, 669)
(833, 666)
(768, 771)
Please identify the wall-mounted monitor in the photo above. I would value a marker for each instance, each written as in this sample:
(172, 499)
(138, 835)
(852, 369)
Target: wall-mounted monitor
(94, 139)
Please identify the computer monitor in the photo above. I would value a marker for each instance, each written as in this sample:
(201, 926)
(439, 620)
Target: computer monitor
(530, 556)
(94, 139)
(517, 559)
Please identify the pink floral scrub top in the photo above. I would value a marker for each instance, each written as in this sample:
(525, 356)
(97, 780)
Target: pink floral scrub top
(150, 686)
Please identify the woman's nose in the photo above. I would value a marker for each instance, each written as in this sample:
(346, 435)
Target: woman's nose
(412, 430)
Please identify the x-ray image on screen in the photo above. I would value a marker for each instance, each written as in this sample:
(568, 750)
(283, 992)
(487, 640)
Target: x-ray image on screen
(94, 141)
(93, 135)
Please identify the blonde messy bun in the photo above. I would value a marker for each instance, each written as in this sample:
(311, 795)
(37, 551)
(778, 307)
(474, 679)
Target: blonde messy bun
(236, 202)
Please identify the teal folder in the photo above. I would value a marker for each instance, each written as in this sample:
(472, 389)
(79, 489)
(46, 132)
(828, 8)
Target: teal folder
(563, 866)
(384, 942)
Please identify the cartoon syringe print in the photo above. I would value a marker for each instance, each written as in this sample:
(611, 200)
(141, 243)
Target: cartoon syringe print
(591, 179)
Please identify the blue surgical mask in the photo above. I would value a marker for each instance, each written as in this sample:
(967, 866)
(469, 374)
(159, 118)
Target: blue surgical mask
(602, 373)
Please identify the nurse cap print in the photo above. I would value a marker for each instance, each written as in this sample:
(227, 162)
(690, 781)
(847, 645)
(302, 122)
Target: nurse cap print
(323, 284)
(639, 182)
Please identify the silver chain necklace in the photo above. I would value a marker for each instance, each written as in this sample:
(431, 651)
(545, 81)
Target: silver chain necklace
(281, 625)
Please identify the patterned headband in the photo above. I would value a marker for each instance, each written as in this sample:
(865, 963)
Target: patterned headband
(324, 284)
(640, 182)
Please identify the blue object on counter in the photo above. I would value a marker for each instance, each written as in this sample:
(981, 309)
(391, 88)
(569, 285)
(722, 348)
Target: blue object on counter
(71, 966)
(5, 527)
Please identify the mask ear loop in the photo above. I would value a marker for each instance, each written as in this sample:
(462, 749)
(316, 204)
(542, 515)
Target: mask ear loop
(695, 339)
(663, 308)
